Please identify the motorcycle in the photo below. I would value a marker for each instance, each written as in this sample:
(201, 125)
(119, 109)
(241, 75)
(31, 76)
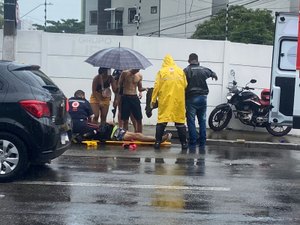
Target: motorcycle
(248, 108)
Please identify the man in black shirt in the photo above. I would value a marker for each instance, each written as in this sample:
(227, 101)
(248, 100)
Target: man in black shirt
(196, 99)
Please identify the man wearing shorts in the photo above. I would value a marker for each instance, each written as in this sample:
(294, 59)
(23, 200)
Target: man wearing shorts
(129, 82)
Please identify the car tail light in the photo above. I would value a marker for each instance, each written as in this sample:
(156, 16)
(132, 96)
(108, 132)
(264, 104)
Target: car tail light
(36, 108)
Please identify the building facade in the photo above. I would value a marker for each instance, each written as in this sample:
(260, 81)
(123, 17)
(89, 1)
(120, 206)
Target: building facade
(145, 17)
(168, 18)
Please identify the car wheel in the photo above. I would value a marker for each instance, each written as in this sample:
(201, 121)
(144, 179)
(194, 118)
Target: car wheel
(13, 157)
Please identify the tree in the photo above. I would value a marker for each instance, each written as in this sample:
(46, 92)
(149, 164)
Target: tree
(63, 26)
(244, 25)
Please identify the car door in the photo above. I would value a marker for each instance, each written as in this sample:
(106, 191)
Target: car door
(3, 89)
(285, 90)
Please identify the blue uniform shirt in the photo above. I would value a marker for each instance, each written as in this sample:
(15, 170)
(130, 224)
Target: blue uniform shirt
(80, 109)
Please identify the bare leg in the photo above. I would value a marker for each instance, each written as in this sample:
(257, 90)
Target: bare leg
(141, 137)
(95, 108)
(125, 124)
(139, 126)
(104, 111)
(120, 122)
(134, 123)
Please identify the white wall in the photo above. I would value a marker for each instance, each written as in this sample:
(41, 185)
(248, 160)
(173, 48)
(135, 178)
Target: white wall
(62, 57)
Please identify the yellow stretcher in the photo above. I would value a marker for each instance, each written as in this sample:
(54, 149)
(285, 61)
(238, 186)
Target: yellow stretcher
(92, 143)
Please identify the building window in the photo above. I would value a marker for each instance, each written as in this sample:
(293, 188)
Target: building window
(131, 15)
(153, 9)
(93, 17)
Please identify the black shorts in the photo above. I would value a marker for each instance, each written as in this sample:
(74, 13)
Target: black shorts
(131, 104)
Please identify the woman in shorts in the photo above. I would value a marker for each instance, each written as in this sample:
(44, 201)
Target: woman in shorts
(101, 94)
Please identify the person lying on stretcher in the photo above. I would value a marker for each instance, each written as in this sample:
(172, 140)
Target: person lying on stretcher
(81, 113)
(110, 131)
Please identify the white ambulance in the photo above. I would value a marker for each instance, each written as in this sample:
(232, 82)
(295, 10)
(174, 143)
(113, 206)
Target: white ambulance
(285, 80)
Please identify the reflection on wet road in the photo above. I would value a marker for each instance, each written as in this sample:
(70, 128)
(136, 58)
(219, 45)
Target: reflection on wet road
(110, 185)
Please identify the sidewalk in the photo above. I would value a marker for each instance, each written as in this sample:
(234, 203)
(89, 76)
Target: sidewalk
(231, 137)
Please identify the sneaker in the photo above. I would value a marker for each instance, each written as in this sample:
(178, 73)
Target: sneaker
(156, 145)
(77, 139)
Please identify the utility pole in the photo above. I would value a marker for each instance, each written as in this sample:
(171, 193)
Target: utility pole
(45, 25)
(226, 25)
(159, 13)
(185, 19)
(10, 31)
(138, 19)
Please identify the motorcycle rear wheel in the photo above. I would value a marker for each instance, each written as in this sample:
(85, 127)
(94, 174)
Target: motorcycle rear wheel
(219, 118)
(278, 131)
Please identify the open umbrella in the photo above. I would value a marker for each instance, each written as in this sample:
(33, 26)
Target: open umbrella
(119, 58)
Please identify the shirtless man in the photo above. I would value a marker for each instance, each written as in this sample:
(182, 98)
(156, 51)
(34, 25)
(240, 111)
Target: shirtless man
(129, 82)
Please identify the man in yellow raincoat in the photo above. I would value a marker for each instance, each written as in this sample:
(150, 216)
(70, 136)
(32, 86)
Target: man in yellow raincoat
(169, 90)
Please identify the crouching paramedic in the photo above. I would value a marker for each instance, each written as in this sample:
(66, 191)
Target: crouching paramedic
(81, 113)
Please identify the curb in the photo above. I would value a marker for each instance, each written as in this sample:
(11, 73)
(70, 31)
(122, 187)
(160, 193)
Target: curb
(252, 144)
(246, 144)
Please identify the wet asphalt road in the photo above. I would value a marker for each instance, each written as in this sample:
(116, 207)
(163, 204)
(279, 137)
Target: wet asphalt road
(110, 185)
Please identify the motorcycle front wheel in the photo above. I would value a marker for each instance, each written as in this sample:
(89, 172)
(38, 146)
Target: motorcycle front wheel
(219, 118)
(278, 130)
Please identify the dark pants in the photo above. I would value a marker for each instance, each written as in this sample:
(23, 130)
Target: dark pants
(181, 130)
(83, 128)
(196, 107)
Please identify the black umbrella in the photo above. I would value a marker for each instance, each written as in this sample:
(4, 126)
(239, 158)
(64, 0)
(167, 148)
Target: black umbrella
(119, 58)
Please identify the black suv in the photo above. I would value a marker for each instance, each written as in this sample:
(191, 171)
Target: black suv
(35, 126)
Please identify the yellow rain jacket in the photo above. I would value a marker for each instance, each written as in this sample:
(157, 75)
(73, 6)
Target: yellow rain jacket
(169, 90)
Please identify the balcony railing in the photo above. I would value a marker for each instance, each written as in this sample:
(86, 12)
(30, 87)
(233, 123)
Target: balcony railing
(114, 26)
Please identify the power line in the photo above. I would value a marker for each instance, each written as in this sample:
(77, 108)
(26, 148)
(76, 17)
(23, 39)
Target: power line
(178, 25)
(171, 18)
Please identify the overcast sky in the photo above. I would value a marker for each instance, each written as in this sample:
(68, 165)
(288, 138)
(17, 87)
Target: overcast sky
(61, 9)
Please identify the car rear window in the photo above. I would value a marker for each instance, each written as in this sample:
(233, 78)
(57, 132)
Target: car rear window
(33, 77)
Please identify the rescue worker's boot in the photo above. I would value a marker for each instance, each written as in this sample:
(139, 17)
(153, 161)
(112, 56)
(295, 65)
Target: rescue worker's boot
(160, 128)
(181, 130)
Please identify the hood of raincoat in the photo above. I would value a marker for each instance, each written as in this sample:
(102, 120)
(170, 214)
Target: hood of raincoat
(169, 90)
(168, 61)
